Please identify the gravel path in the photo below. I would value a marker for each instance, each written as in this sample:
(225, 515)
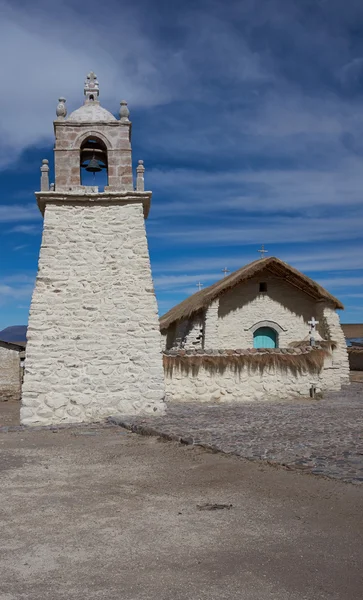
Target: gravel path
(323, 437)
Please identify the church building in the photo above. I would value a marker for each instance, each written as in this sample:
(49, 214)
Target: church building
(264, 331)
(94, 344)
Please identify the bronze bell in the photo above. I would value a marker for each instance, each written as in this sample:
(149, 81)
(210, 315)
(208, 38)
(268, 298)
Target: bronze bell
(93, 166)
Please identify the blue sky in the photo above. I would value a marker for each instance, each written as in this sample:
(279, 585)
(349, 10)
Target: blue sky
(248, 115)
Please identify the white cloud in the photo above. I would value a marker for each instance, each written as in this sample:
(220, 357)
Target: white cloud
(262, 191)
(348, 295)
(278, 230)
(26, 229)
(335, 282)
(21, 278)
(344, 259)
(60, 49)
(9, 293)
(16, 287)
(10, 213)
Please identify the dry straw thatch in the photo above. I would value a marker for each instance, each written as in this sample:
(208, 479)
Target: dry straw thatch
(272, 266)
(308, 362)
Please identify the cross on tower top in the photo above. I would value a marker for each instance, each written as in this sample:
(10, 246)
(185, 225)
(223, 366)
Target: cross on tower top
(91, 88)
(262, 251)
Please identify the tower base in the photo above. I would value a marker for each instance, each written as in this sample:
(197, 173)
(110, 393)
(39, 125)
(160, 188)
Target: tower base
(94, 345)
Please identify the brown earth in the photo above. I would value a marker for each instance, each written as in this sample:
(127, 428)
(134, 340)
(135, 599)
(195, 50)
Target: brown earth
(96, 512)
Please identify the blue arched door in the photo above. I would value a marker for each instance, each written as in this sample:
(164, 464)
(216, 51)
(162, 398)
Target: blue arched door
(265, 337)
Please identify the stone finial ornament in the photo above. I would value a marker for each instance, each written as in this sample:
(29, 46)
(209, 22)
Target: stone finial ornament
(91, 88)
(140, 170)
(124, 112)
(44, 178)
(61, 108)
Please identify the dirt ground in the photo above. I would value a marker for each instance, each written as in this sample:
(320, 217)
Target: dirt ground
(98, 512)
(356, 376)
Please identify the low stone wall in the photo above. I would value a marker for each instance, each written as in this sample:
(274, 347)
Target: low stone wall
(355, 355)
(10, 378)
(248, 375)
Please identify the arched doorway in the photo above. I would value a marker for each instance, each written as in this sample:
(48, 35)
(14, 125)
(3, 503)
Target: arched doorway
(265, 337)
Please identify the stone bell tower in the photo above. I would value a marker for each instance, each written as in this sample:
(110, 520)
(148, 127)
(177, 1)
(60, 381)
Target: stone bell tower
(94, 345)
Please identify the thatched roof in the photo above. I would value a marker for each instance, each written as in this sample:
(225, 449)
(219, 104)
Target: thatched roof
(272, 266)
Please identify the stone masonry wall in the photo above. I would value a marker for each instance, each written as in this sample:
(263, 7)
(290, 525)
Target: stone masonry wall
(246, 385)
(69, 138)
(10, 377)
(211, 339)
(243, 306)
(94, 346)
(187, 334)
(330, 321)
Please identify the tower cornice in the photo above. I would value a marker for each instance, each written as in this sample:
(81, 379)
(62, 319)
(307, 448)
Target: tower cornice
(77, 197)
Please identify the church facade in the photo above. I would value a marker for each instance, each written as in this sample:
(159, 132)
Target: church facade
(94, 345)
(265, 331)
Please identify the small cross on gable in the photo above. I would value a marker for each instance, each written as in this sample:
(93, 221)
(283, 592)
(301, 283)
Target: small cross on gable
(313, 323)
(199, 285)
(225, 271)
(262, 251)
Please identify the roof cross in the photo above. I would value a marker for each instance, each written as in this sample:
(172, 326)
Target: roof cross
(262, 251)
(225, 271)
(199, 285)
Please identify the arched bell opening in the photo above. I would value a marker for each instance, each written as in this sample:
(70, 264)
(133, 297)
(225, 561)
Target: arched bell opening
(94, 164)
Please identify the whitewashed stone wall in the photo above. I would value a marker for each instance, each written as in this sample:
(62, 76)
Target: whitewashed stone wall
(247, 386)
(10, 376)
(94, 346)
(211, 339)
(332, 330)
(189, 334)
(184, 334)
(243, 306)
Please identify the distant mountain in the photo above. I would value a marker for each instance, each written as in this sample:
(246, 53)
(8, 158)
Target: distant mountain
(15, 333)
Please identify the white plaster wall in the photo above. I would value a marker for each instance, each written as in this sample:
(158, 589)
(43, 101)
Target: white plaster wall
(330, 323)
(246, 386)
(94, 345)
(10, 385)
(243, 307)
(211, 339)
